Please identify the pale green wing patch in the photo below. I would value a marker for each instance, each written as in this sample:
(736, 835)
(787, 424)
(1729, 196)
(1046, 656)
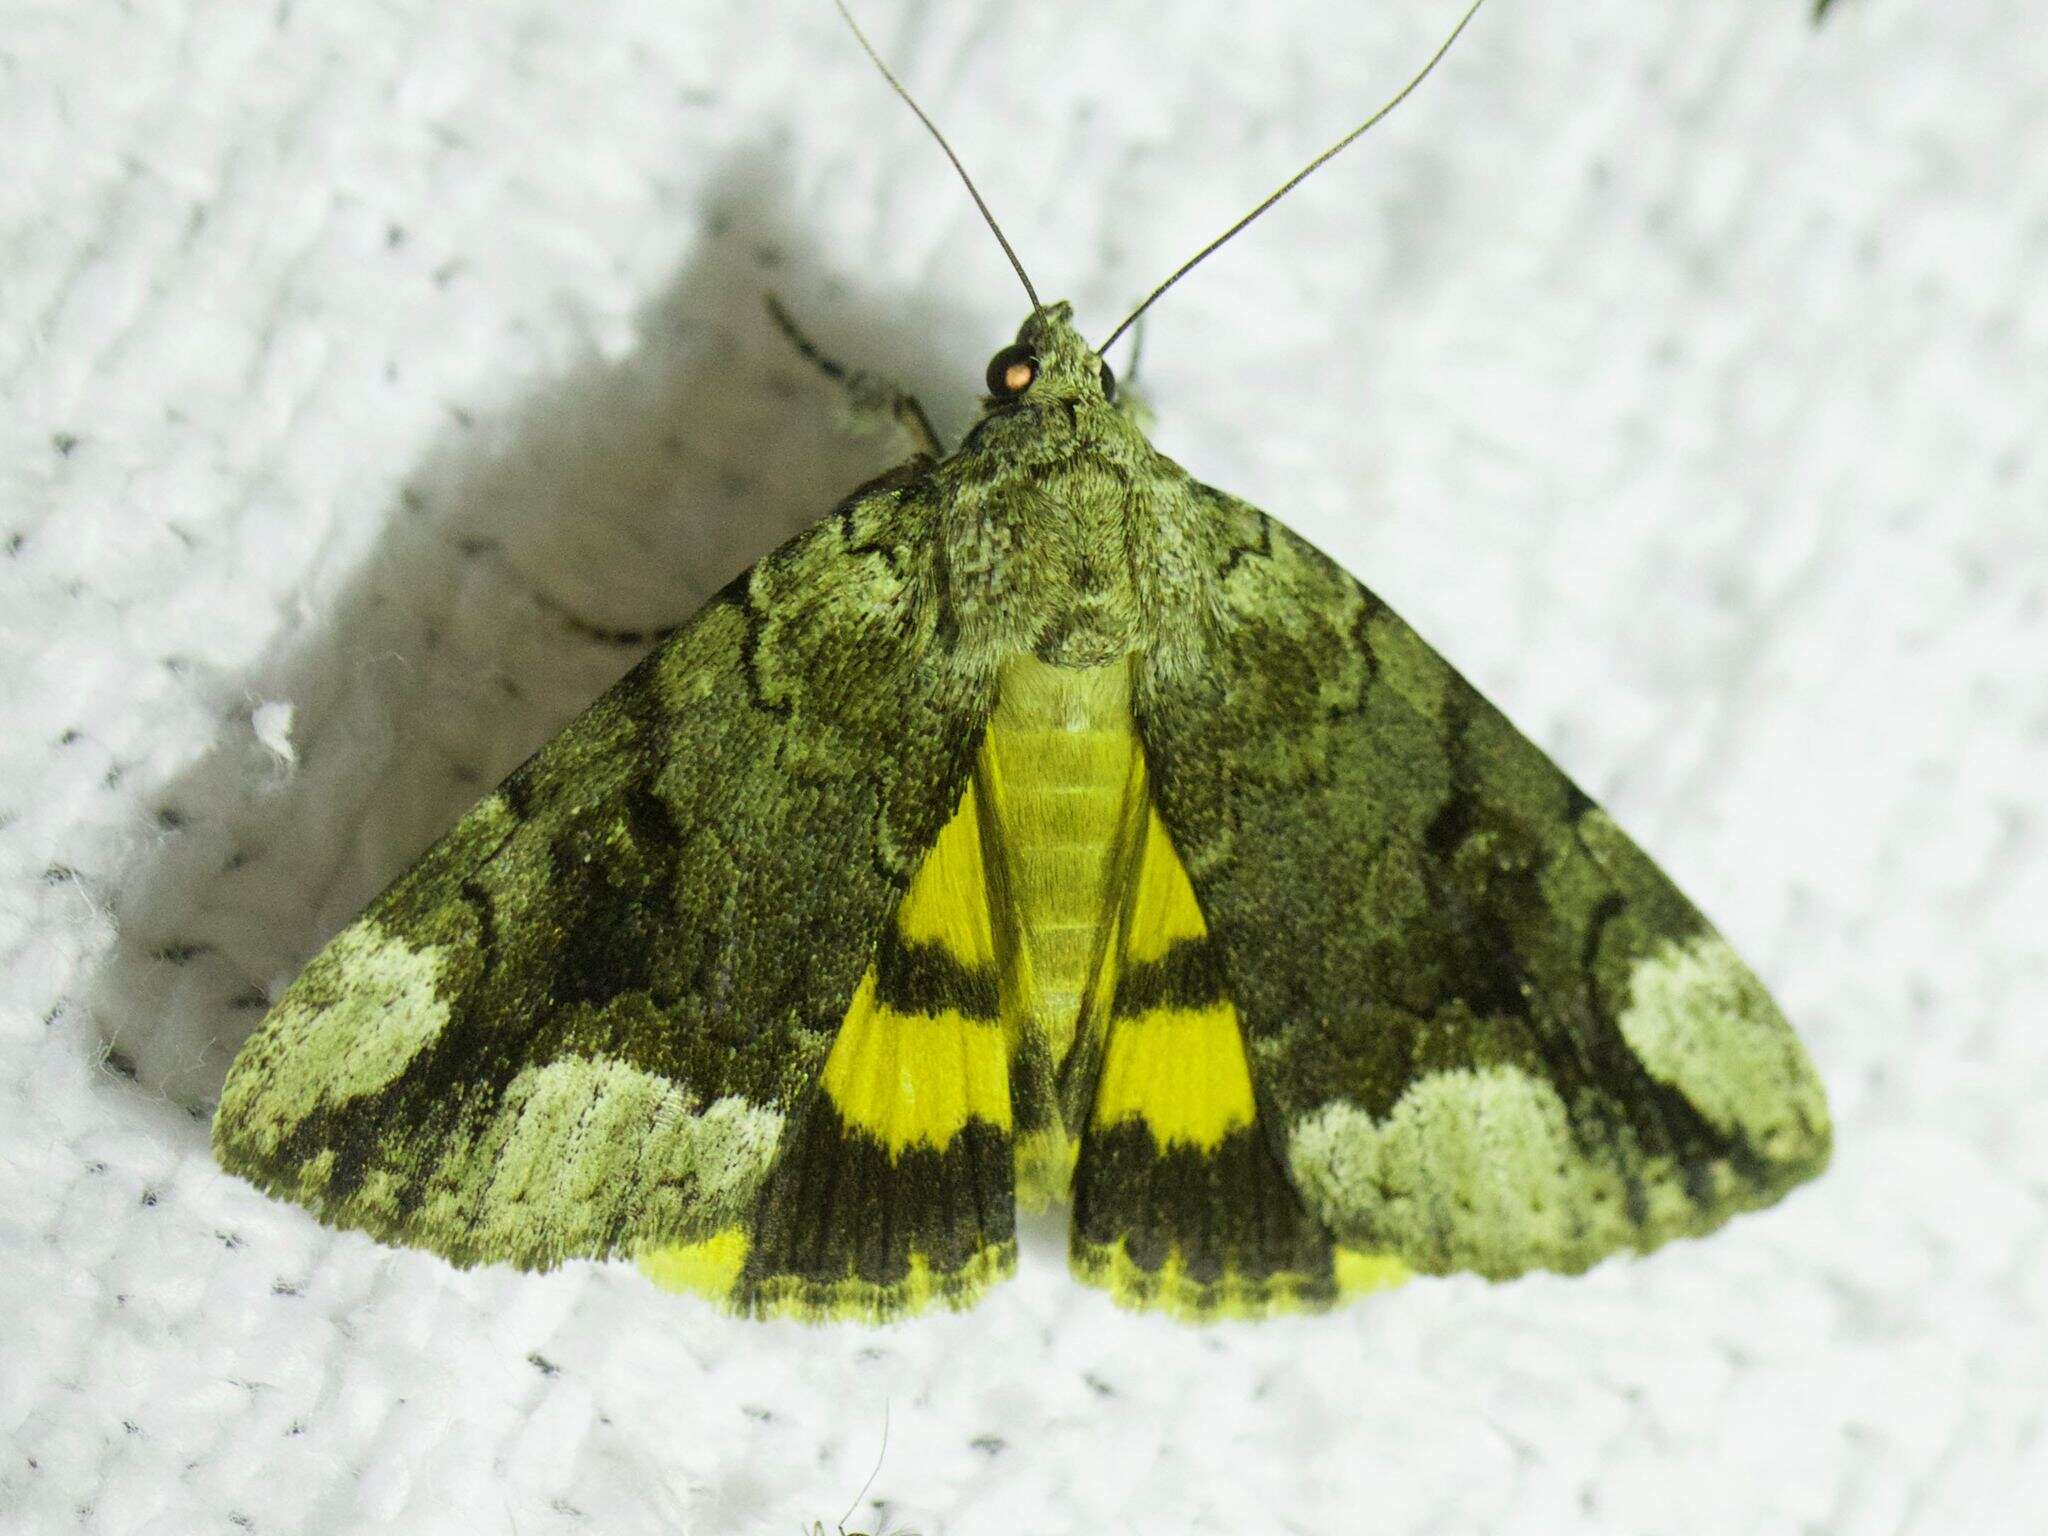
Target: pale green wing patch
(579, 1139)
(1475, 1169)
(1699, 1020)
(352, 1023)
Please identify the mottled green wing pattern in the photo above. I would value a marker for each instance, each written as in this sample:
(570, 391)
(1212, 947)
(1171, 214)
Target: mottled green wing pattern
(580, 1023)
(1492, 1035)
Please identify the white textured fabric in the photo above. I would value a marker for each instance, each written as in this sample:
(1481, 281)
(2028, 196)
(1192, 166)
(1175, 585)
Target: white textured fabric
(1679, 369)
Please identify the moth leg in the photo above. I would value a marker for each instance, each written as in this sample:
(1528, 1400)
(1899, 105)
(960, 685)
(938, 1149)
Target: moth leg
(868, 398)
(603, 634)
(1131, 401)
(1137, 350)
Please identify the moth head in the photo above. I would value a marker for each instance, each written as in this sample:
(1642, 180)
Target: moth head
(1049, 363)
(1049, 360)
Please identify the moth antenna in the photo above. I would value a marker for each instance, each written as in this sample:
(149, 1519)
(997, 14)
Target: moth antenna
(1293, 181)
(884, 1451)
(933, 128)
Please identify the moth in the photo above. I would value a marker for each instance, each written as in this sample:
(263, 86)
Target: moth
(1042, 824)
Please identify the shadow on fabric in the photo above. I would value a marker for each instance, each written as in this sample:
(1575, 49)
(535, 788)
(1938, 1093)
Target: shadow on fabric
(527, 563)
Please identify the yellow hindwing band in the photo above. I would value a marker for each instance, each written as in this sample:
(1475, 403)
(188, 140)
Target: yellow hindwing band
(710, 1268)
(854, 1298)
(1163, 910)
(913, 1080)
(1180, 1068)
(947, 903)
(1183, 1073)
(1360, 1273)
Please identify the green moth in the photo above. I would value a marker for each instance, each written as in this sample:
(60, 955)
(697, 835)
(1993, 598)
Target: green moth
(1042, 824)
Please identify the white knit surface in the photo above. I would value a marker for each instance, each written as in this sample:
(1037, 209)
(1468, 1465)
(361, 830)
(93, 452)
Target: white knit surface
(1680, 370)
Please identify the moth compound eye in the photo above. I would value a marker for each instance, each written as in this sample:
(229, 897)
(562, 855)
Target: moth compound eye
(1012, 371)
(1108, 384)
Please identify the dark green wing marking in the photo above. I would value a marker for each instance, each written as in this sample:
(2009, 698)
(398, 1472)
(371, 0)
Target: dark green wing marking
(1486, 1032)
(580, 1024)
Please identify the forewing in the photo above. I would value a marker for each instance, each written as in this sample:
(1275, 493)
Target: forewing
(581, 1023)
(1493, 1035)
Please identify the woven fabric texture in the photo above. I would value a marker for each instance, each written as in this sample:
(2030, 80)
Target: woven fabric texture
(1679, 370)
